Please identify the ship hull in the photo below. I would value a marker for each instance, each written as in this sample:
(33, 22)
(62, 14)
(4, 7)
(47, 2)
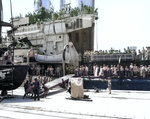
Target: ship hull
(118, 84)
(13, 78)
(3, 62)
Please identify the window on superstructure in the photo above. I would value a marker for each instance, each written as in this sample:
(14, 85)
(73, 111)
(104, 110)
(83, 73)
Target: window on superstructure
(77, 37)
(73, 25)
(84, 36)
(24, 59)
(80, 22)
(70, 38)
(77, 23)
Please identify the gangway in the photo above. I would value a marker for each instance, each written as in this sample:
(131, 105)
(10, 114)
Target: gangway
(58, 81)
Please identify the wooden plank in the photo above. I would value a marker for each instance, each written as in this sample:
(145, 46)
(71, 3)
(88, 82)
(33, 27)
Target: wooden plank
(79, 99)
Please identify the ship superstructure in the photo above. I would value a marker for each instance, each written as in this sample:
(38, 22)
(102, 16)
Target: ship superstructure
(76, 31)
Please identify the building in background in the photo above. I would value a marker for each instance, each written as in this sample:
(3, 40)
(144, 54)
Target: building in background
(62, 3)
(85, 2)
(41, 3)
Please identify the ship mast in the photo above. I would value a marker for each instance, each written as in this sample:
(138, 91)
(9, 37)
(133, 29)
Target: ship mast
(13, 42)
(12, 29)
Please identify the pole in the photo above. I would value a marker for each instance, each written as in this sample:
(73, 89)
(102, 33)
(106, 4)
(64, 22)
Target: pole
(13, 42)
(64, 68)
(119, 69)
(12, 29)
(63, 59)
(97, 35)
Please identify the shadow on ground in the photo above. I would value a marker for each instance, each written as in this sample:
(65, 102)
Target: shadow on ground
(19, 98)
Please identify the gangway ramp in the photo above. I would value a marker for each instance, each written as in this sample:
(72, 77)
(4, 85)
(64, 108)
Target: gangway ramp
(58, 81)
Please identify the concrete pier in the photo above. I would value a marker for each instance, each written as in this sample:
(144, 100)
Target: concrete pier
(121, 104)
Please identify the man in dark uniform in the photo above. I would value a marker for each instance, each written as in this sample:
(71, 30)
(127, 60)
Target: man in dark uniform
(26, 85)
(36, 89)
(45, 87)
(90, 68)
(109, 85)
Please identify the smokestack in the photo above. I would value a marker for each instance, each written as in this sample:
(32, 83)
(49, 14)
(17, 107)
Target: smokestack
(62, 3)
(1, 18)
(1, 11)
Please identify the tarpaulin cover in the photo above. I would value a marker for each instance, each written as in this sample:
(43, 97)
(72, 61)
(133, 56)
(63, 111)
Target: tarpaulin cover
(76, 87)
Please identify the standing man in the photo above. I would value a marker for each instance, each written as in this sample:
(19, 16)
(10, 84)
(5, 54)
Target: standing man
(43, 70)
(26, 84)
(58, 71)
(140, 55)
(109, 85)
(51, 71)
(36, 89)
(96, 70)
(131, 70)
(143, 53)
(89, 68)
(101, 73)
(86, 70)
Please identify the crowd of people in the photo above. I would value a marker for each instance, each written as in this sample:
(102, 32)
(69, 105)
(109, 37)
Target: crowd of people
(143, 54)
(114, 71)
(104, 71)
(43, 71)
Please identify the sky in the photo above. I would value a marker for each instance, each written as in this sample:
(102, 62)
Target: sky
(121, 23)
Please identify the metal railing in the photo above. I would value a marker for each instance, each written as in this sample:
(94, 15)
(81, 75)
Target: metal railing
(111, 57)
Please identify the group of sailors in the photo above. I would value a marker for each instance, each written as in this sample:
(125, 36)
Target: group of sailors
(114, 71)
(49, 71)
(122, 72)
(143, 54)
(82, 71)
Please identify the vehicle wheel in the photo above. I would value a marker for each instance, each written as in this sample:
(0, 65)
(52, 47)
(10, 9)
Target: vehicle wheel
(4, 92)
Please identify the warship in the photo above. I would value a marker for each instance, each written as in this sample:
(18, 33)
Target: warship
(61, 37)
(11, 75)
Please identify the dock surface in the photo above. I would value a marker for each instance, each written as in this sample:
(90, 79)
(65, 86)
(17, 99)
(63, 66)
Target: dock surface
(121, 104)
